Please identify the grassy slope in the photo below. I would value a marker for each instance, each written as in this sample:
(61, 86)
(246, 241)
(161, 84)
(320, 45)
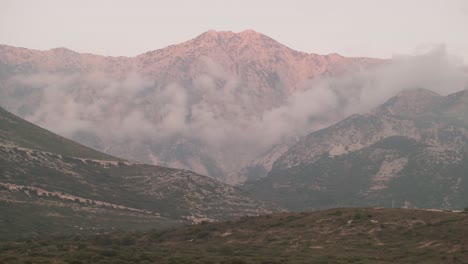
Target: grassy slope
(25, 134)
(31, 217)
(353, 235)
(34, 160)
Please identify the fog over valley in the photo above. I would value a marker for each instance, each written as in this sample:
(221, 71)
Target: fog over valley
(211, 120)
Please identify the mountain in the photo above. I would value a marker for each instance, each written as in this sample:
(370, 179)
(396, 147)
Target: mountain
(259, 167)
(351, 235)
(188, 105)
(51, 184)
(411, 151)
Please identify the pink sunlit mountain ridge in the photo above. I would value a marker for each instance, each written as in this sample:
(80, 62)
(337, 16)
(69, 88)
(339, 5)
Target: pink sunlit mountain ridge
(185, 106)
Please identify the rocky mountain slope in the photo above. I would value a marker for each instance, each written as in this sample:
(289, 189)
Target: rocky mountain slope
(412, 151)
(49, 183)
(352, 235)
(186, 105)
(259, 167)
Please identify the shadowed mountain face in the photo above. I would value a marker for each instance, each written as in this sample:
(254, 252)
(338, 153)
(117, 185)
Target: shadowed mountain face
(49, 183)
(410, 151)
(203, 105)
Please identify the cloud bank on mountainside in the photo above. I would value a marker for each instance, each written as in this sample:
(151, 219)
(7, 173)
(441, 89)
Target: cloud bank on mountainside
(217, 111)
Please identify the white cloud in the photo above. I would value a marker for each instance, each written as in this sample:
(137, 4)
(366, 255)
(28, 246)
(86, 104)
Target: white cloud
(217, 111)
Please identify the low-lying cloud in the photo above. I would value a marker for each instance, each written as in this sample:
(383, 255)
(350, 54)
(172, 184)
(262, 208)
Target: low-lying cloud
(217, 110)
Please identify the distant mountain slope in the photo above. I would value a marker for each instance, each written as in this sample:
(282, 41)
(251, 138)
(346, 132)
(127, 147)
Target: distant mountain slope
(45, 178)
(20, 133)
(419, 114)
(345, 235)
(258, 60)
(411, 151)
(177, 100)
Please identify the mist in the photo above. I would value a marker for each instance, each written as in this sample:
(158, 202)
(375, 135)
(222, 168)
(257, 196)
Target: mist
(217, 111)
(325, 101)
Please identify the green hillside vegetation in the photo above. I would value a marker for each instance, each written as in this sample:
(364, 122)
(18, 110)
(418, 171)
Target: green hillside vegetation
(351, 235)
(51, 184)
(44, 216)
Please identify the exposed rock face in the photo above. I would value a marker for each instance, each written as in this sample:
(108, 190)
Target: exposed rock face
(410, 151)
(229, 77)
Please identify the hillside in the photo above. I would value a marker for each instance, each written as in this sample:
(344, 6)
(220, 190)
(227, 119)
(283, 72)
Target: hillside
(410, 152)
(51, 184)
(352, 235)
(20, 133)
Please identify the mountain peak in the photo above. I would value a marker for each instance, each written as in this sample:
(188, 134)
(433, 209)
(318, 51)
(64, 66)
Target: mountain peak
(62, 50)
(245, 34)
(216, 34)
(411, 102)
(417, 92)
(249, 32)
(232, 41)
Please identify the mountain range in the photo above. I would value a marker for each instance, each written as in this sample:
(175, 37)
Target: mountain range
(193, 105)
(412, 151)
(241, 109)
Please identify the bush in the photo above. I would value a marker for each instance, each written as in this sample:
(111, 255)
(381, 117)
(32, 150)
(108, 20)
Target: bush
(108, 253)
(128, 241)
(203, 234)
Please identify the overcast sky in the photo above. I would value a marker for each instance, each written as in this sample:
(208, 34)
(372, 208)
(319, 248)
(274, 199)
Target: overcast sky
(352, 28)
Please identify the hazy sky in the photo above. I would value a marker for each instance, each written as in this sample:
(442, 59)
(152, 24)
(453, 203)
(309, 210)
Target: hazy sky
(353, 28)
